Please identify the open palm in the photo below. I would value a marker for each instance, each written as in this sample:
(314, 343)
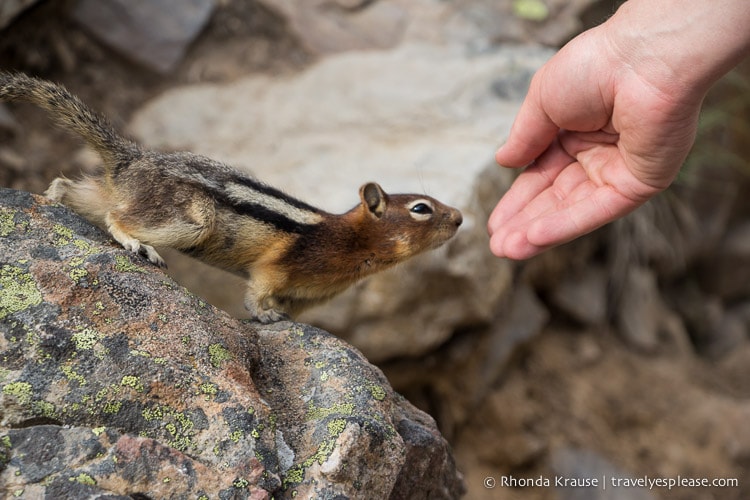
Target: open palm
(599, 139)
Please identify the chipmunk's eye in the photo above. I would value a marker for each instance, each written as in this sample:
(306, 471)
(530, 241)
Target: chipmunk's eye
(421, 208)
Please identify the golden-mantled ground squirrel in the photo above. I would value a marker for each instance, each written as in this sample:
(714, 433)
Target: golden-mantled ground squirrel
(294, 254)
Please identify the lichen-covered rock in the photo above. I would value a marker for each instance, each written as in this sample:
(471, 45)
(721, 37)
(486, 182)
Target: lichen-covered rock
(115, 380)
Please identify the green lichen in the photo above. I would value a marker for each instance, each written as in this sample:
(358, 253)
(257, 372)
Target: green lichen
(151, 414)
(336, 426)
(98, 431)
(316, 413)
(7, 224)
(321, 455)
(20, 390)
(133, 382)
(177, 424)
(295, 475)
(124, 265)
(208, 389)
(83, 246)
(240, 483)
(83, 478)
(217, 354)
(77, 274)
(85, 339)
(112, 407)
(72, 375)
(237, 435)
(98, 308)
(18, 290)
(377, 392)
(65, 234)
(44, 409)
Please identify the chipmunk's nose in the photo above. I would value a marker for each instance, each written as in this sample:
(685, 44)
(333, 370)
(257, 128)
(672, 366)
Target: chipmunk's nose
(458, 219)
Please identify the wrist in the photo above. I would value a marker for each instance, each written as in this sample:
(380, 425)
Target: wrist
(680, 47)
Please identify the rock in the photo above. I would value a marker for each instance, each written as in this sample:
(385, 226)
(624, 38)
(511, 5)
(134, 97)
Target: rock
(583, 296)
(714, 330)
(9, 9)
(582, 465)
(727, 272)
(155, 34)
(326, 27)
(640, 310)
(391, 117)
(480, 356)
(115, 381)
(8, 124)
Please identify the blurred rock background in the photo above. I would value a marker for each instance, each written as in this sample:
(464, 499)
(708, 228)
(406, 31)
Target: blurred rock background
(623, 353)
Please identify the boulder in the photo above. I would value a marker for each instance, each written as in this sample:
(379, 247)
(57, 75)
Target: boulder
(326, 27)
(392, 117)
(9, 9)
(154, 34)
(116, 381)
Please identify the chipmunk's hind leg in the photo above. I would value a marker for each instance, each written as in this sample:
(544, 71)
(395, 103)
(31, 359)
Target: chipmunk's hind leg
(88, 197)
(123, 237)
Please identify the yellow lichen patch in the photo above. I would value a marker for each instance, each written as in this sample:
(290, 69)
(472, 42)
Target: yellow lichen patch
(133, 382)
(124, 265)
(22, 391)
(18, 290)
(217, 354)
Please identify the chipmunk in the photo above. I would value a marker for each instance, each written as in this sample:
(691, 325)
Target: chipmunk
(293, 254)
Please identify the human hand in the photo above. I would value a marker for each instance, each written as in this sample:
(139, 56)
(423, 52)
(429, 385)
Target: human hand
(601, 139)
(608, 121)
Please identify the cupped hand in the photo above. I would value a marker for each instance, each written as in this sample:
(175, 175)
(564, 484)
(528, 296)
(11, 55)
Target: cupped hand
(600, 132)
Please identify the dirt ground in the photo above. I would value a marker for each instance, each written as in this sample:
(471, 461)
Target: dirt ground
(660, 415)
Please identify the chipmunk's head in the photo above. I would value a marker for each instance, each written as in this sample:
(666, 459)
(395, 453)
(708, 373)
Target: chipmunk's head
(407, 224)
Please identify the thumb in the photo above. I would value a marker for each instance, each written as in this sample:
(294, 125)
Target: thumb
(532, 131)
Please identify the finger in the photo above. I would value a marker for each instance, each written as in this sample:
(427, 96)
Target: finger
(514, 246)
(529, 184)
(532, 131)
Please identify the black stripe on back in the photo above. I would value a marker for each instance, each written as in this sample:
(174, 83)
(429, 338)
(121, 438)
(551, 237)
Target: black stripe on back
(270, 191)
(261, 214)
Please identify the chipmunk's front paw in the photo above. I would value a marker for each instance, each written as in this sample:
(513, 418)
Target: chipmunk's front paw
(264, 311)
(271, 316)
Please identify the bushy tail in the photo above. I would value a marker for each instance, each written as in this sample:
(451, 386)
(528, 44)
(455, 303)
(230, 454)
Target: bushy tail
(70, 113)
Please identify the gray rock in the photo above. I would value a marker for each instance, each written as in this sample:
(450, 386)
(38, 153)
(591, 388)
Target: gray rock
(8, 124)
(727, 273)
(640, 310)
(9, 9)
(326, 27)
(583, 296)
(582, 465)
(114, 380)
(154, 34)
(393, 117)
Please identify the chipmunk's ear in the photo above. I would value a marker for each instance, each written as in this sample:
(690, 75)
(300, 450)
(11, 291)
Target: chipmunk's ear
(373, 198)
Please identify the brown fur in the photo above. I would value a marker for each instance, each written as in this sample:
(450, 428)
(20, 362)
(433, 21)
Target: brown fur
(294, 254)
